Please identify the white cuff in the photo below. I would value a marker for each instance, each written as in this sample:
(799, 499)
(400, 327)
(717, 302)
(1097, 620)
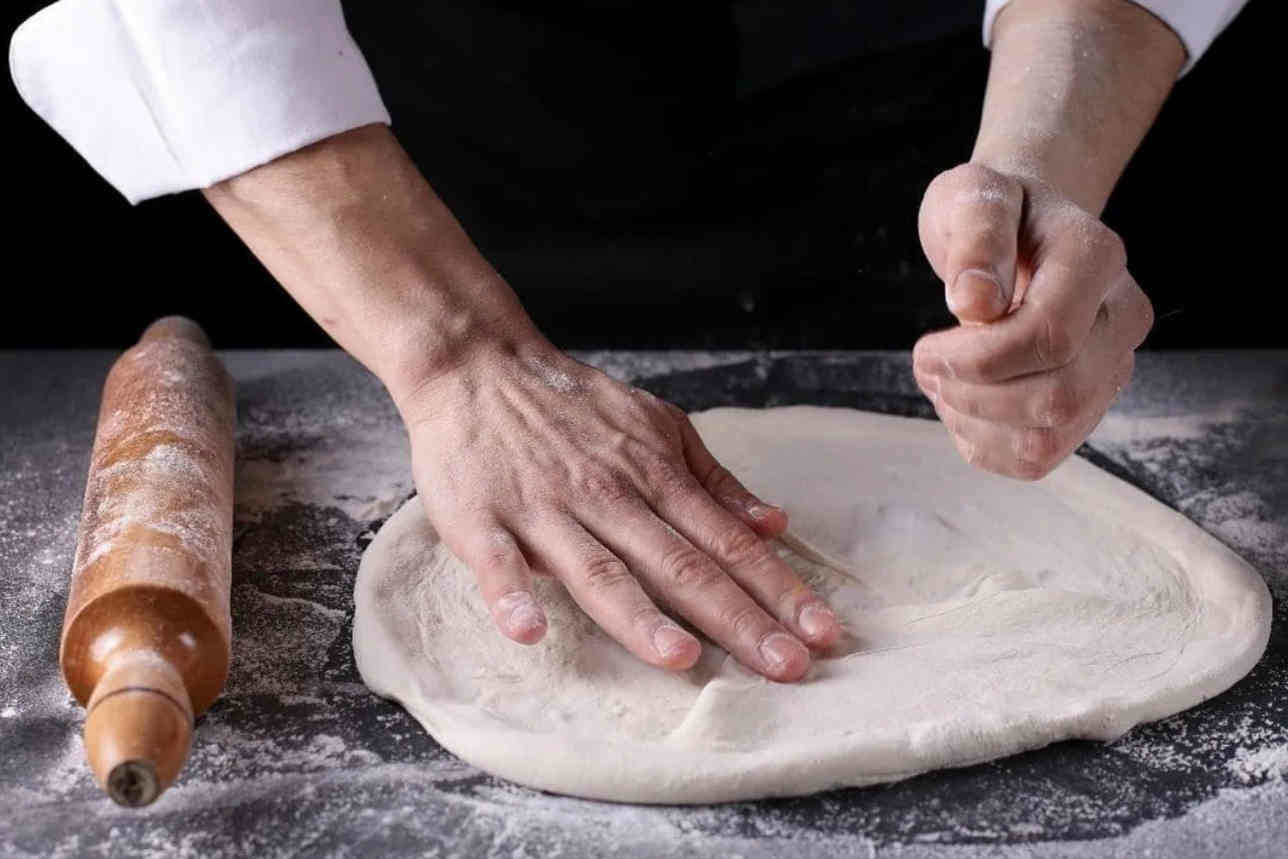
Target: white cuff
(162, 96)
(1196, 22)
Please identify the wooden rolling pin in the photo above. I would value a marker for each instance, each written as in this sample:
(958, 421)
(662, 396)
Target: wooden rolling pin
(146, 637)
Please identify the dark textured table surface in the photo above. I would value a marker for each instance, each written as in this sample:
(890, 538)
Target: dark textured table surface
(297, 758)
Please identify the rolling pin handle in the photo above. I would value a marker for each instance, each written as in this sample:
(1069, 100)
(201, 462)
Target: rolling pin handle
(133, 784)
(172, 327)
(138, 729)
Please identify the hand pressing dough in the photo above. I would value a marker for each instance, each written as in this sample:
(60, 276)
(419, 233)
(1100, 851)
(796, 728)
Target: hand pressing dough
(984, 617)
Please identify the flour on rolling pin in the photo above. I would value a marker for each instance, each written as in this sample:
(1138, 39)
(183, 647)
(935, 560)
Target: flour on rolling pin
(146, 637)
(118, 496)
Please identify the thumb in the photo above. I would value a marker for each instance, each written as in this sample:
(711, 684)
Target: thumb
(969, 225)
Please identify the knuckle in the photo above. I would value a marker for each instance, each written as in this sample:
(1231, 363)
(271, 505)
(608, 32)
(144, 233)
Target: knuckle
(617, 440)
(645, 397)
(921, 349)
(604, 573)
(742, 619)
(986, 187)
(716, 475)
(971, 174)
(740, 546)
(1109, 245)
(688, 569)
(667, 416)
(644, 615)
(668, 478)
(938, 196)
(941, 184)
(496, 552)
(719, 479)
(601, 486)
(673, 411)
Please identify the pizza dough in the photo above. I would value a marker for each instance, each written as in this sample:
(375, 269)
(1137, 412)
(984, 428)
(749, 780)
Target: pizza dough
(984, 616)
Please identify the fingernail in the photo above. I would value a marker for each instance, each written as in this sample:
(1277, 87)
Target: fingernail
(976, 292)
(521, 612)
(761, 510)
(669, 639)
(817, 620)
(779, 649)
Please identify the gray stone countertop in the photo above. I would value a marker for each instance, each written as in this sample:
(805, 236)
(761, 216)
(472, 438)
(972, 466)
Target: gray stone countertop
(298, 759)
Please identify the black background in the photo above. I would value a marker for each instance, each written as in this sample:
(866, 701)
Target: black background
(762, 191)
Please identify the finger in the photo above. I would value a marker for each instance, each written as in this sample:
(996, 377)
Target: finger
(1129, 312)
(1064, 395)
(748, 560)
(601, 584)
(970, 224)
(694, 585)
(1027, 453)
(767, 520)
(492, 554)
(1051, 325)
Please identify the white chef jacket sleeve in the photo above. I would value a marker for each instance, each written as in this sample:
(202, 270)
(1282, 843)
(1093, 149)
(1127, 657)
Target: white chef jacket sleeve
(1196, 22)
(162, 96)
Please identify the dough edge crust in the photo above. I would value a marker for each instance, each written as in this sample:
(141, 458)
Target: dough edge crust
(656, 774)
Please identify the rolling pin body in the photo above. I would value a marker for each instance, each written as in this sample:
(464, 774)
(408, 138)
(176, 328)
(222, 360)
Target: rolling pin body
(146, 637)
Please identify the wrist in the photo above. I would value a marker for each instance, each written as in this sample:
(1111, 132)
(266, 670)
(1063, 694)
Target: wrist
(420, 354)
(1073, 87)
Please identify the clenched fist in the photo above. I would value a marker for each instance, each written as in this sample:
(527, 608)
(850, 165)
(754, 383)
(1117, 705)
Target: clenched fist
(1049, 319)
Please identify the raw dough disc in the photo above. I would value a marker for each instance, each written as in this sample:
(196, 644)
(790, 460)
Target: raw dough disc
(984, 617)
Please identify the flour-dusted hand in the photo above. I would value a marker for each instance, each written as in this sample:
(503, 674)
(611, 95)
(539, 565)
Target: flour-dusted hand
(1049, 316)
(1050, 319)
(531, 461)
(526, 459)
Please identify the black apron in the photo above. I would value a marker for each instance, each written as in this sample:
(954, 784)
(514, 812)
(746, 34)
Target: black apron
(705, 154)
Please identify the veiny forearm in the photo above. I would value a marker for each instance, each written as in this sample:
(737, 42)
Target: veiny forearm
(1072, 89)
(526, 459)
(356, 235)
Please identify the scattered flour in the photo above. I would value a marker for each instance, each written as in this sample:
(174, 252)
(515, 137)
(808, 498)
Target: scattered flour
(366, 477)
(1125, 428)
(1257, 765)
(318, 432)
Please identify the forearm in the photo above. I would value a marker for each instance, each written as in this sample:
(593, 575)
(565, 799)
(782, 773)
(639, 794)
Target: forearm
(1073, 87)
(355, 234)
